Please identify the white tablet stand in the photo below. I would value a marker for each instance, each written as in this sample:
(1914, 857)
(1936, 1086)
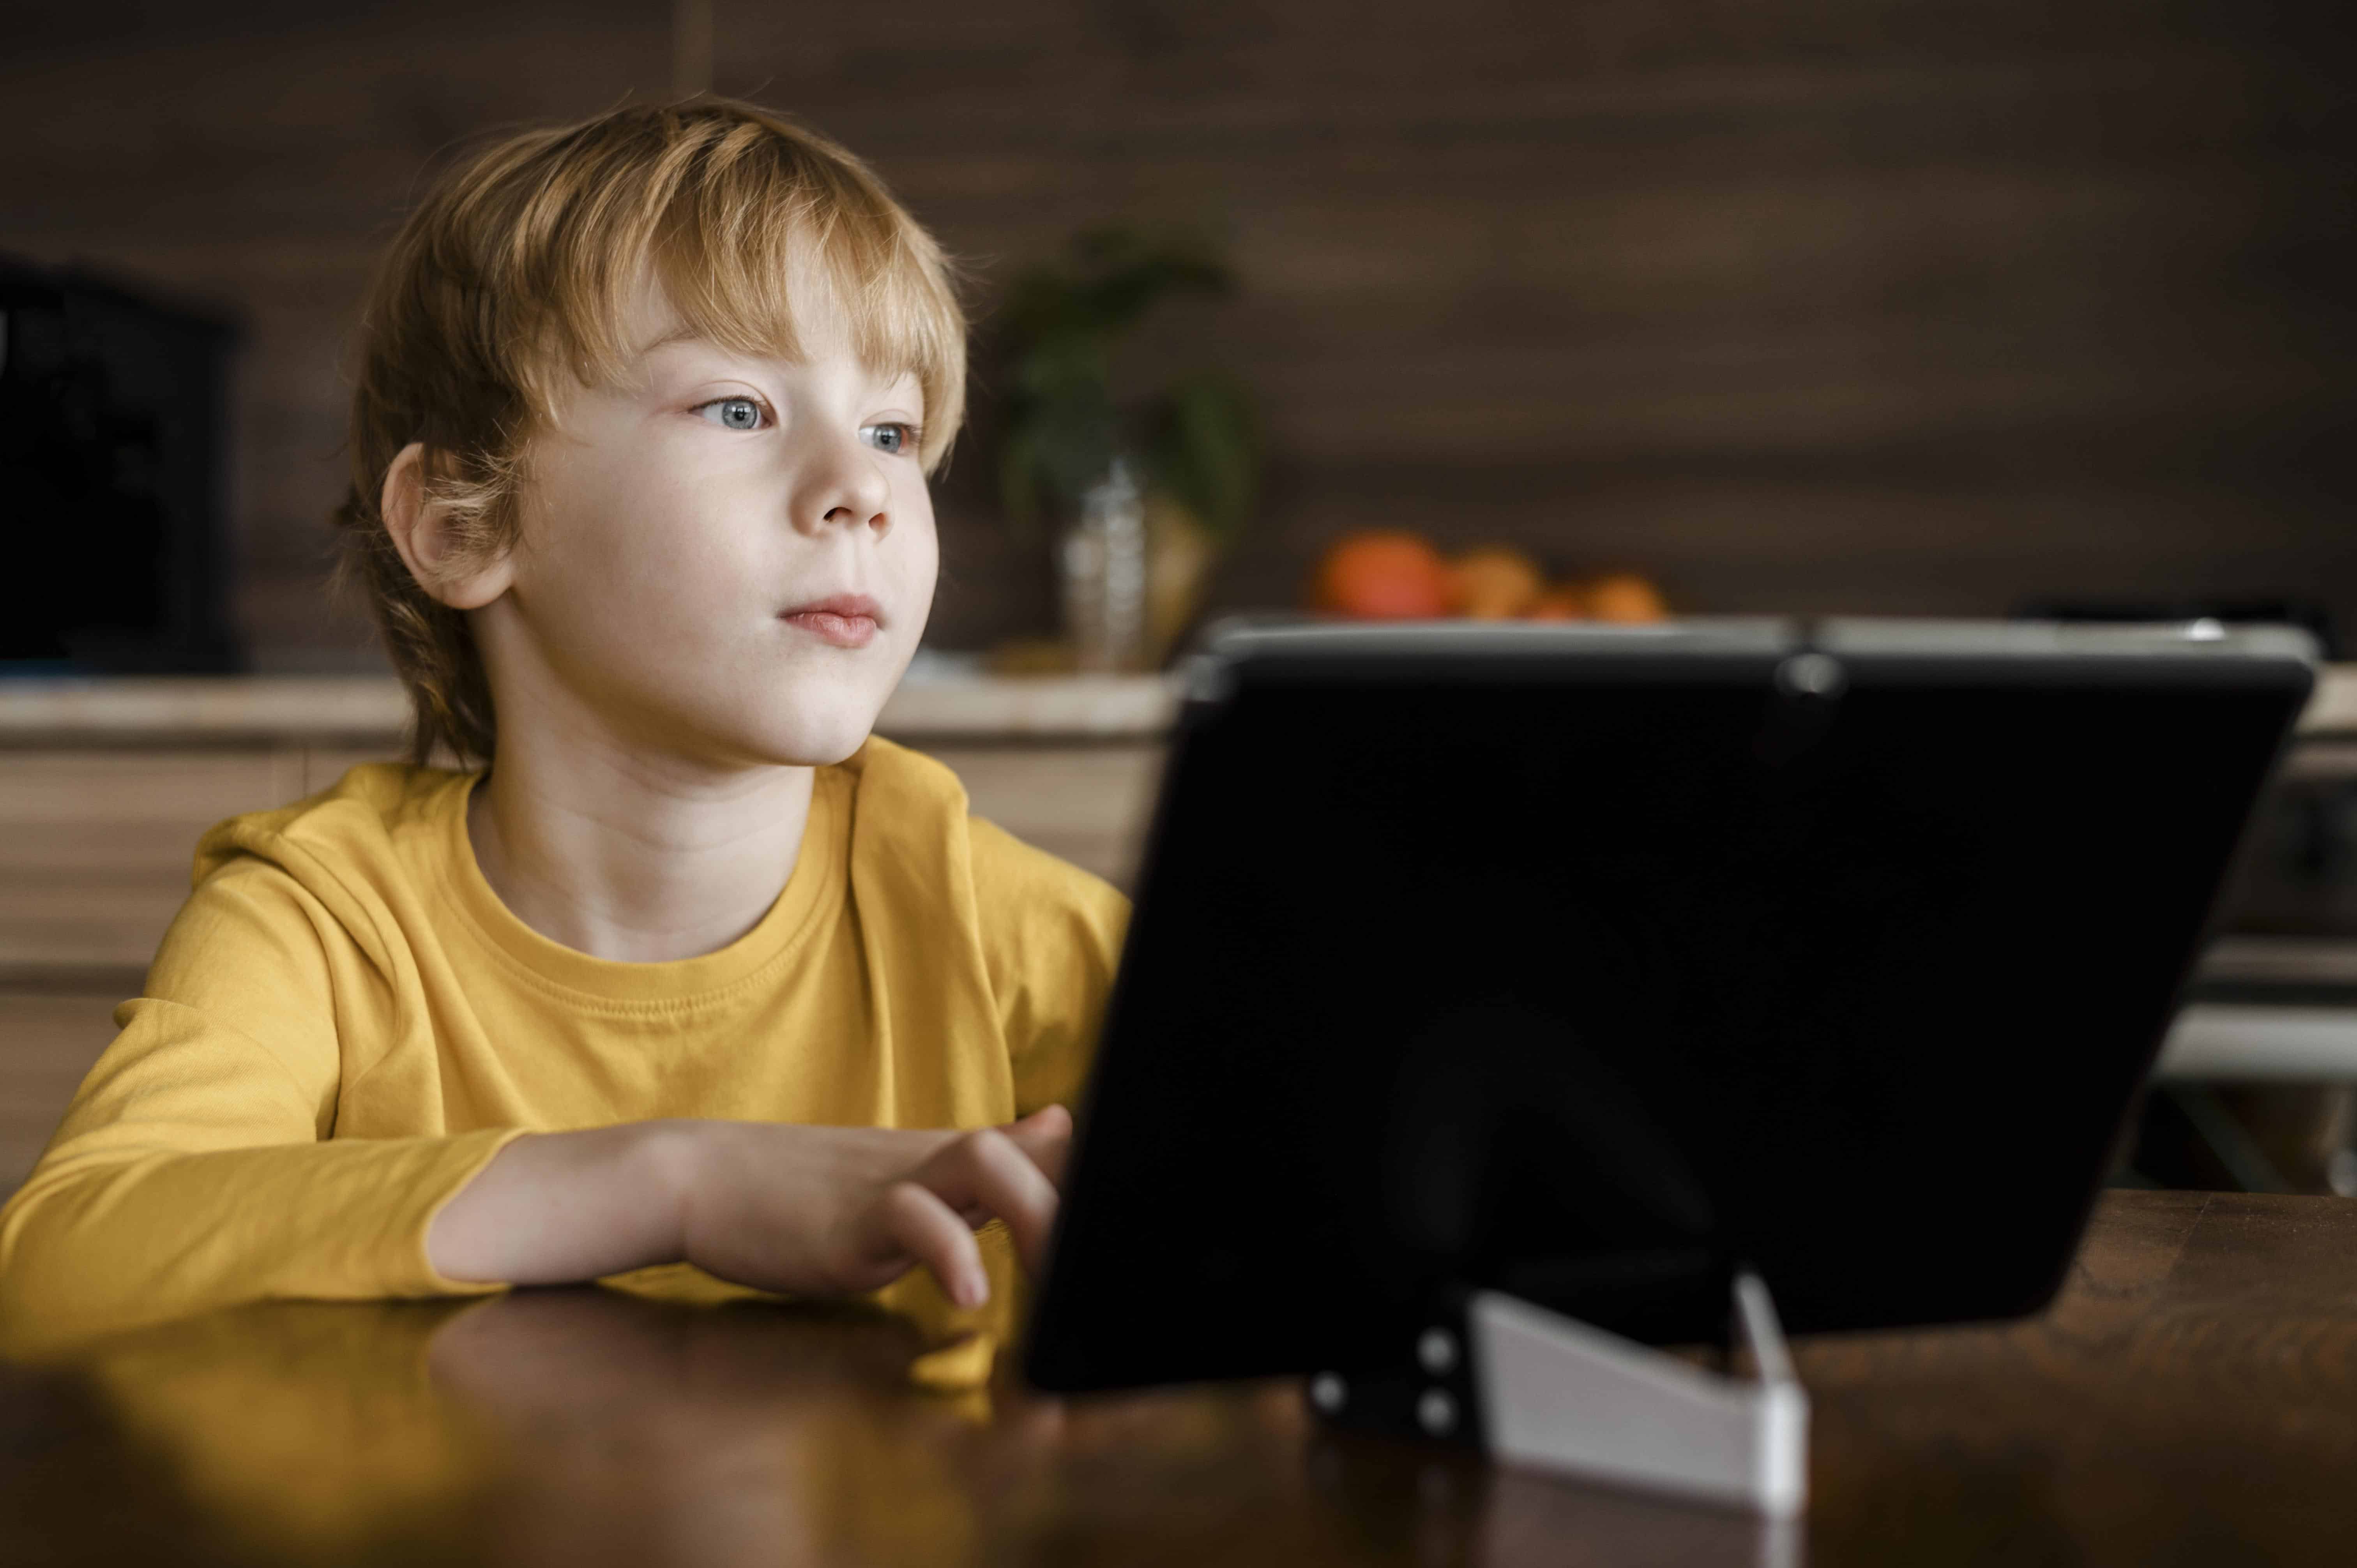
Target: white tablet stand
(1538, 1388)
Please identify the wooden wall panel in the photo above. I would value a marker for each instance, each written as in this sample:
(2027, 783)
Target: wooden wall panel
(1896, 305)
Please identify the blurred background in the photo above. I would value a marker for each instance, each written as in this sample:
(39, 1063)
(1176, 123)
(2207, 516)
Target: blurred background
(1613, 308)
(1925, 306)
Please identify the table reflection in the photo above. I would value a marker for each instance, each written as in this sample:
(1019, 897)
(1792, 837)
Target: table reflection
(590, 1426)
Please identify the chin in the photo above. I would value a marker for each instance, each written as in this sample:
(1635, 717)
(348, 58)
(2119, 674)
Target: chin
(814, 725)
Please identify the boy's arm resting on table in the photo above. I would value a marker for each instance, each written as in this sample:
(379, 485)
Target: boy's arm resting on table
(799, 1210)
(192, 1169)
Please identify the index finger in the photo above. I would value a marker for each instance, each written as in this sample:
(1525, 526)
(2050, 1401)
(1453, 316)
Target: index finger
(987, 1170)
(1046, 1135)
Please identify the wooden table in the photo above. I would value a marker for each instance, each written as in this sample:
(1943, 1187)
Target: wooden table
(2191, 1399)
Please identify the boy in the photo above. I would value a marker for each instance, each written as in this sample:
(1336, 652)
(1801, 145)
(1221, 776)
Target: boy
(692, 972)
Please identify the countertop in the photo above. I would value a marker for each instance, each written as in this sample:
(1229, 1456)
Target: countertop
(365, 709)
(354, 709)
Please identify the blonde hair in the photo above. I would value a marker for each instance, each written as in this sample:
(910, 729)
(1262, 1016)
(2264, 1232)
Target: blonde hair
(515, 274)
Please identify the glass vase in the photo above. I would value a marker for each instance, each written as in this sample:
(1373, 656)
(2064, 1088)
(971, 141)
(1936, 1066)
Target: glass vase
(1102, 573)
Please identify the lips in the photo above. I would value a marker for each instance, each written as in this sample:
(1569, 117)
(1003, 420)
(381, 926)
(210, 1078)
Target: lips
(845, 621)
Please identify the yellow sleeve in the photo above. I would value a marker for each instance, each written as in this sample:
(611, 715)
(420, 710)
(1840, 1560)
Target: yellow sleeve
(1051, 935)
(196, 1168)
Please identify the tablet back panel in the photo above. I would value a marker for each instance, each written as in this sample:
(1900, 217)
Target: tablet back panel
(1585, 967)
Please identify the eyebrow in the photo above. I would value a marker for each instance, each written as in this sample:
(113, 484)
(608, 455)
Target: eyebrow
(682, 334)
(685, 333)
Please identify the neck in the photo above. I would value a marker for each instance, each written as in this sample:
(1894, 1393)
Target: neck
(621, 853)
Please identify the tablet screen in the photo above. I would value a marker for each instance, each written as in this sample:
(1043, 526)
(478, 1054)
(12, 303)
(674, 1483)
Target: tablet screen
(1588, 968)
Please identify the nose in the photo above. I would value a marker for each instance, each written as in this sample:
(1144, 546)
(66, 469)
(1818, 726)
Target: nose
(847, 489)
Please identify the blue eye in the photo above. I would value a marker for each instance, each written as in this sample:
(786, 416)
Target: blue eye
(892, 436)
(735, 412)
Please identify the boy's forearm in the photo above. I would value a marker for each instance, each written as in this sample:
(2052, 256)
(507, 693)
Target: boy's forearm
(558, 1207)
(789, 1208)
(113, 1234)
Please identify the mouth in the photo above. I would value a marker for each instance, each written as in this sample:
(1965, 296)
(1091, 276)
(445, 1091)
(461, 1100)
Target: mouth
(845, 621)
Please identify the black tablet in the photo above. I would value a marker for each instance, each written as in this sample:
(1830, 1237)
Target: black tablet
(1589, 964)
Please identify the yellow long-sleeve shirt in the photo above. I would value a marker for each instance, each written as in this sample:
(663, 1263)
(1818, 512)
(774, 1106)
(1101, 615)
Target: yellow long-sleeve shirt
(344, 1025)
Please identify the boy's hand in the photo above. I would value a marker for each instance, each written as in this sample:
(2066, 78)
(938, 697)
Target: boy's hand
(841, 1210)
(797, 1210)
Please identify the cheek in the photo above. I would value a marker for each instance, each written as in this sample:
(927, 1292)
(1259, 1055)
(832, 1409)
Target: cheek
(914, 548)
(627, 549)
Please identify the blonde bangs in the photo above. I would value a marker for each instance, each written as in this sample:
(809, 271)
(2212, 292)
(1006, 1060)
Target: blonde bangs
(746, 222)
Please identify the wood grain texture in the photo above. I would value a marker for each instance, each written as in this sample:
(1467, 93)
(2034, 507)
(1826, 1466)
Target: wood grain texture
(2185, 1402)
(1912, 306)
(2191, 1399)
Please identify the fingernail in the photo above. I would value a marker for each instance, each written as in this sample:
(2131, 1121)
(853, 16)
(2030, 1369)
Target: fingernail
(973, 1289)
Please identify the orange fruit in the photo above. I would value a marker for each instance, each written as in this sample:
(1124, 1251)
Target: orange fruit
(1626, 596)
(1564, 601)
(1496, 582)
(1383, 575)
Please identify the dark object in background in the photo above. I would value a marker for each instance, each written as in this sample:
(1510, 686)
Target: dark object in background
(112, 431)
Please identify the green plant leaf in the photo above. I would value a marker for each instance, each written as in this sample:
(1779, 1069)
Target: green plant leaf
(1062, 429)
(1203, 449)
(1018, 481)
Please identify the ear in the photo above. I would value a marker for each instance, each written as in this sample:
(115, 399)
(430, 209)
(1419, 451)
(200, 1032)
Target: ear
(422, 531)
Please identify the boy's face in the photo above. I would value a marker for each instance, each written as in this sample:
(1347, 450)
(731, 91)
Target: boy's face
(724, 557)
